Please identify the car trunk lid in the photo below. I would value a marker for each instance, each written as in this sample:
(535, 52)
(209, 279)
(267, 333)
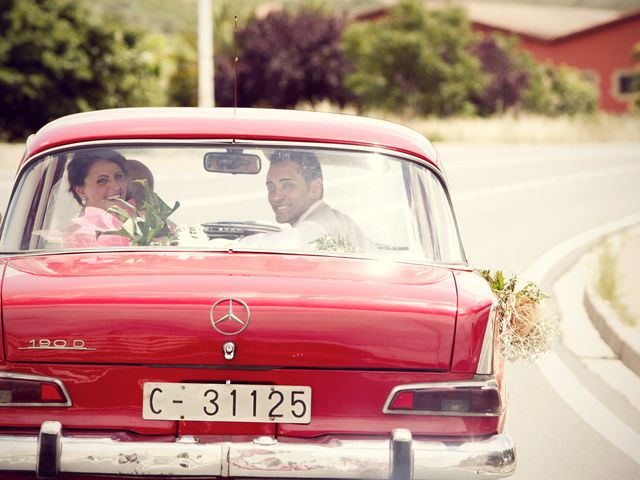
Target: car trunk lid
(157, 308)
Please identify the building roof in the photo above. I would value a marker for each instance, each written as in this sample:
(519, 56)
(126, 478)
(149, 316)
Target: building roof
(542, 21)
(547, 22)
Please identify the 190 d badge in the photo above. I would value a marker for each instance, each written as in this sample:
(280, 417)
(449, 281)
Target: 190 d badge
(230, 316)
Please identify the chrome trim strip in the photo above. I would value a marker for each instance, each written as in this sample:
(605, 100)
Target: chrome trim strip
(37, 378)
(485, 363)
(339, 457)
(55, 348)
(476, 383)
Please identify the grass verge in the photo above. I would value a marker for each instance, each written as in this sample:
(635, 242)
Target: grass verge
(607, 285)
(512, 128)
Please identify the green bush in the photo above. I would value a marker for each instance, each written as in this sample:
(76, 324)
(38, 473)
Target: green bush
(56, 60)
(414, 60)
(554, 90)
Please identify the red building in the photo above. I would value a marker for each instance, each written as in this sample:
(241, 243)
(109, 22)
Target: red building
(597, 41)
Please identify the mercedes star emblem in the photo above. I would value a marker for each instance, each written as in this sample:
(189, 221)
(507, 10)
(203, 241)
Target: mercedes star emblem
(230, 316)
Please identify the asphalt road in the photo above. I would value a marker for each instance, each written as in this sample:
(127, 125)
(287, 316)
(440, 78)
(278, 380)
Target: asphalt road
(514, 203)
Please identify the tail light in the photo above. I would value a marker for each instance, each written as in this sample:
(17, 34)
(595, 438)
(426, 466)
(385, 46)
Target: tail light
(472, 398)
(486, 360)
(19, 390)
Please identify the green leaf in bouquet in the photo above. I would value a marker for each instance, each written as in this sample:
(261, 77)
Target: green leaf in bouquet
(146, 225)
(122, 210)
(154, 203)
(526, 326)
(131, 226)
(153, 224)
(120, 233)
(495, 280)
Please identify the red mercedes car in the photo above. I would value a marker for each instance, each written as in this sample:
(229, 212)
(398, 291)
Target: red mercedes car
(242, 293)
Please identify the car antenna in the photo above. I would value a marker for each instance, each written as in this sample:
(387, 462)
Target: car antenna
(235, 64)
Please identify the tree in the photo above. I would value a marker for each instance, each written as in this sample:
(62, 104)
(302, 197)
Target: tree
(414, 60)
(182, 90)
(557, 90)
(286, 58)
(55, 60)
(507, 80)
(517, 81)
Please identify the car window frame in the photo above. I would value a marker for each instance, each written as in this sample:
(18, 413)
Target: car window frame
(29, 162)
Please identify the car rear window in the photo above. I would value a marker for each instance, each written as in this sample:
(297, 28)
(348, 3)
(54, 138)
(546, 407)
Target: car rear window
(271, 198)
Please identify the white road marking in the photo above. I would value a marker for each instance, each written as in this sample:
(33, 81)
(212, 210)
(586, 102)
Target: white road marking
(543, 182)
(594, 412)
(482, 156)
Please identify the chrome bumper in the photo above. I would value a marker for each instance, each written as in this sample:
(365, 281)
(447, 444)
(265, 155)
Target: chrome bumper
(339, 457)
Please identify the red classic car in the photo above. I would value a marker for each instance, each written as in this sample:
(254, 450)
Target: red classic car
(242, 293)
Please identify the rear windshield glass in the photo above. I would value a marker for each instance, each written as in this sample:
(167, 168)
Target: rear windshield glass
(217, 197)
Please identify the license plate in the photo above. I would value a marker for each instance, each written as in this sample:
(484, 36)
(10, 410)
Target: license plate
(226, 402)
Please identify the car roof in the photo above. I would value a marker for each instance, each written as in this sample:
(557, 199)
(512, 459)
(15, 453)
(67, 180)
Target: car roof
(230, 123)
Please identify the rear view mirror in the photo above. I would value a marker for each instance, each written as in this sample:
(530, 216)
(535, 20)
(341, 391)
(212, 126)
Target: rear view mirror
(232, 162)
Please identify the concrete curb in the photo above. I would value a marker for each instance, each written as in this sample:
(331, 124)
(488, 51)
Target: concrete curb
(582, 401)
(612, 331)
(554, 263)
(548, 268)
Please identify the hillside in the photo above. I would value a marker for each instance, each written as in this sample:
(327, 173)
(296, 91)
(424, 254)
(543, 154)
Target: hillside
(175, 16)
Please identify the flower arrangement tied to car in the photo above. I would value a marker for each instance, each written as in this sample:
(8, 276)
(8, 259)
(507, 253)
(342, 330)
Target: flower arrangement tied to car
(147, 225)
(334, 243)
(527, 324)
